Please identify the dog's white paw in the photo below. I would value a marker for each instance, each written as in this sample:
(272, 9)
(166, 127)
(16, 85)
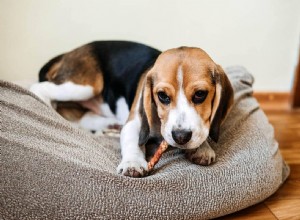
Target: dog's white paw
(133, 168)
(202, 155)
(38, 91)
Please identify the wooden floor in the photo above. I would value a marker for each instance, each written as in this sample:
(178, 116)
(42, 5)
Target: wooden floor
(285, 203)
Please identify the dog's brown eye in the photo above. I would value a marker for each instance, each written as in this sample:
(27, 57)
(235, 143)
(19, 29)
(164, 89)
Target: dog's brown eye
(163, 98)
(199, 96)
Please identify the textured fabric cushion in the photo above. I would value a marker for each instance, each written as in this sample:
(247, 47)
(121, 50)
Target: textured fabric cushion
(51, 169)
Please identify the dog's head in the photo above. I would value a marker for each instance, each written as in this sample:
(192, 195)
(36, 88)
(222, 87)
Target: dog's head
(186, 96)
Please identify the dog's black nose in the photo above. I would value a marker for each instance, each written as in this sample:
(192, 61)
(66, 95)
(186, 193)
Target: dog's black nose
(181, 136)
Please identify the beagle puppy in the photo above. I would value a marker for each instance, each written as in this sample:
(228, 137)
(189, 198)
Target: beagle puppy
(179, 95)
(183, 99)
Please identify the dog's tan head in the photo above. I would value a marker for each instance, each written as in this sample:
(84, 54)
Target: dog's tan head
(186, 96)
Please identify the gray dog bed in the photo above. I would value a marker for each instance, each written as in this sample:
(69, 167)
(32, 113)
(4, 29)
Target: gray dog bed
(52, 170)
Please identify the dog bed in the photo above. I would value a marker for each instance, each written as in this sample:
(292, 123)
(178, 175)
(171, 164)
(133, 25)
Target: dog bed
(52, 170)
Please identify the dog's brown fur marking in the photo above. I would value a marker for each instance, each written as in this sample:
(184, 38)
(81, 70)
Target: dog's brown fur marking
(78, 66)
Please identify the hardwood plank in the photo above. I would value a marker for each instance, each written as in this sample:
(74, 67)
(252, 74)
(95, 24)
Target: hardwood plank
(292, 145)
(289, 190)
(295, 172)
(256, 212)
(291, 156)
(285, 209)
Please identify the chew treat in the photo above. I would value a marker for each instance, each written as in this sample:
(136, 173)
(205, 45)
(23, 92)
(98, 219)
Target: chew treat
(160, 150)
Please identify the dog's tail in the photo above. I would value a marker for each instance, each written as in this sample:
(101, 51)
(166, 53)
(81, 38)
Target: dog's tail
(50, 66)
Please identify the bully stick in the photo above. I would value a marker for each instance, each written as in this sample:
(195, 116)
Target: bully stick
(160, 150)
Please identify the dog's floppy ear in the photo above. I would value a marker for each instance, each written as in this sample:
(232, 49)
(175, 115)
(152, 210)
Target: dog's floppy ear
(223, 100)
(150, 123)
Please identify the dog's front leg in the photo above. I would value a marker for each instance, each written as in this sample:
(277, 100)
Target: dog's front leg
(203, 155)
(133, 162)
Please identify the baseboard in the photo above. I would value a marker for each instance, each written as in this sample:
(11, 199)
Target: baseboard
(272, 96)
(274, 100)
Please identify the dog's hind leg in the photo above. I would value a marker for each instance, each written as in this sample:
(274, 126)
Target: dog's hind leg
(68, 91)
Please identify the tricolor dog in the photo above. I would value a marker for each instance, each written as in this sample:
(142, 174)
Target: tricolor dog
(179, 95)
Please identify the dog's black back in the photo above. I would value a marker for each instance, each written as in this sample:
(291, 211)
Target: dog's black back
(121, 62)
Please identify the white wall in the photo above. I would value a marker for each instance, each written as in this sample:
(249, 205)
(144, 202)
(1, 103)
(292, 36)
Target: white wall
(262, 35)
